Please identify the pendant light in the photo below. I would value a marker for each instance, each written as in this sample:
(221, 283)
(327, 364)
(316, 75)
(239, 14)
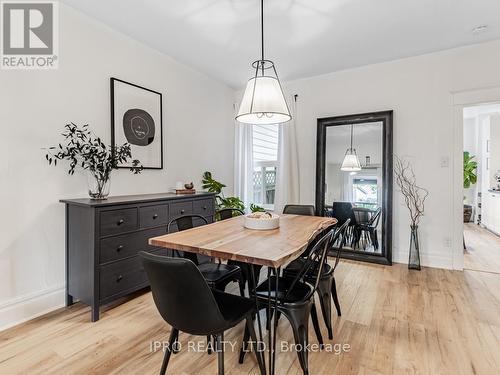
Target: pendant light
(263, 102)
(351, 161)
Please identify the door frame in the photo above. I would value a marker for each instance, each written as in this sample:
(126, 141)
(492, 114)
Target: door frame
(462, 99)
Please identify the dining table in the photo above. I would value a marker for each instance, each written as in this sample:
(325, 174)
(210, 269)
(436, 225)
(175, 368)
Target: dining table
(230, 240)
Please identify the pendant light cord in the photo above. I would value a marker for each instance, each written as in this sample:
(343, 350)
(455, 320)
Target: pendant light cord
(351, 136)
(262, 27)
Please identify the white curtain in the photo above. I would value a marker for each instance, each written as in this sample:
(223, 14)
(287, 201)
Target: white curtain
(243, 161)
(287, 184)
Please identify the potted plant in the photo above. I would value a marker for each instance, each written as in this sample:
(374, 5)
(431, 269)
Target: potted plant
(470, 178)
(221, 201)
(84, 150)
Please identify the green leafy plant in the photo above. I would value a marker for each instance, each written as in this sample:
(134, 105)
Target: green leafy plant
(255, 208)
(212, 185)
(85, 150)
(470, 167)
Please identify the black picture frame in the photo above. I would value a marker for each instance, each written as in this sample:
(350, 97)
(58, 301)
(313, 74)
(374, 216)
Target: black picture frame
(386, 117)
(112, 82)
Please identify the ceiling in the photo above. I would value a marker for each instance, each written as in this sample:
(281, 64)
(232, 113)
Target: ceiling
(303, 37)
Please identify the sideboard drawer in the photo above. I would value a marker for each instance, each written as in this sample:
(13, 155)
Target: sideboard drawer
(181, 208)
(118, 221)
(204, 207)
(126, 245)
(153, 216)
(121, 276)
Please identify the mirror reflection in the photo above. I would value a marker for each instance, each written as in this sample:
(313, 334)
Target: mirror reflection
(353, 182)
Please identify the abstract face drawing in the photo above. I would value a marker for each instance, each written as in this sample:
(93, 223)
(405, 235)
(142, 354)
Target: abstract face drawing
(139, 127)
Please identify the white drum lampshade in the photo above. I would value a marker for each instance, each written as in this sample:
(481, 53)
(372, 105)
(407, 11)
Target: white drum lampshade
(263, 102)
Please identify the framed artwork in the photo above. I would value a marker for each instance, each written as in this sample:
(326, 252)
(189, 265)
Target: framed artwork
(136, 118)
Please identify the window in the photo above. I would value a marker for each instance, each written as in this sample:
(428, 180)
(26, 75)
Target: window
(265, 161)
(365, 191)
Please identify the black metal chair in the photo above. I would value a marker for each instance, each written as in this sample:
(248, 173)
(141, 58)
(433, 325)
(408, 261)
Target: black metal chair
(295, 299)
(217, 274)
(370, 228)
(185, 301)
(299, 209)
(228, 213)
(327, 287)
(343, 211)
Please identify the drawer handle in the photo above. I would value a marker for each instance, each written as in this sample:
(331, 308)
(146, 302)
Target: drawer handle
(204, 207)
(119, 278)
(120, 222)
(119, 248)
(182, 211)
(155, 216)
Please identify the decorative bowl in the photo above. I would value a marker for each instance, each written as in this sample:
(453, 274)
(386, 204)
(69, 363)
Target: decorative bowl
(262, 221)
(189, 186)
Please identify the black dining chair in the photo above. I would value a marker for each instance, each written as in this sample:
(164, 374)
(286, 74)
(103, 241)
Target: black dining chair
(299, 209)
(370, 228)
(295, 299)
(343, 211)
(228, 213)
(186, 302)
(218, 275)
(327, 288)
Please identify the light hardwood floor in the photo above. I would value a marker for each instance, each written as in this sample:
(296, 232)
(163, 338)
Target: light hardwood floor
(395, 321)
(483, 249)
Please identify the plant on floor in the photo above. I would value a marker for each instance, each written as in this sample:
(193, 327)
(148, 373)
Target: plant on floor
(85, 150)
(221, 201)
(470, 167)
(414, 197)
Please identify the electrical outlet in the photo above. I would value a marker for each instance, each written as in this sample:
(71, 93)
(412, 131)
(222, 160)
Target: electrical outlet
(445, 162)
(447, 242)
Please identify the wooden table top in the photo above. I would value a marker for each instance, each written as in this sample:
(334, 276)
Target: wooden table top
(229, 239)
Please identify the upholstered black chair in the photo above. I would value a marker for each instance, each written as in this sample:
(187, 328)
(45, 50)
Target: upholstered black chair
(299, 209)
(228, 213)
(327, 287)
(217, 274)
(296, 298)
(185, 301)
(343, 211)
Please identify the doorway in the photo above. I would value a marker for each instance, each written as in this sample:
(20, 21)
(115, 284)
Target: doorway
(481, 187)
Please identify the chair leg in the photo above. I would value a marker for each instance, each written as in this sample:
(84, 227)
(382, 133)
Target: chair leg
(244, 345)
(258, 353)
(209, 344)
(173, 338)
(335, 297)
(299, 320)
(314, 317)
(220, 353)
(324, 291)
(176, 343)
(241, 283)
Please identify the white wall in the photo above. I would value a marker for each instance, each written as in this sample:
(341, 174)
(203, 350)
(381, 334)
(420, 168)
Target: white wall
(419, 90)
(35, 105)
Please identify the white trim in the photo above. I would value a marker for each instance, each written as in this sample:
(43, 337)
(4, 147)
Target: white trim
(21, 309)
(463, 99)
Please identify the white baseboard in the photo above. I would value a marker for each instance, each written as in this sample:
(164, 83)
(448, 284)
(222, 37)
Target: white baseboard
(24, 308)
(433, 261)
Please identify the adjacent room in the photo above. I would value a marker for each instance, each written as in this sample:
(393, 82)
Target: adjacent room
(250, 187)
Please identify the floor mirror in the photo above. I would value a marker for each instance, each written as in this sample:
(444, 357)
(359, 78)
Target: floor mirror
(354, 182)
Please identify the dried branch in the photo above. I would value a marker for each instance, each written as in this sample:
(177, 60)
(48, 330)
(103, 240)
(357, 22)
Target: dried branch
(414, 195)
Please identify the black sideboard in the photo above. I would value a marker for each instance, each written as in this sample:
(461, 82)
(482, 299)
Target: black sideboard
(103, 238)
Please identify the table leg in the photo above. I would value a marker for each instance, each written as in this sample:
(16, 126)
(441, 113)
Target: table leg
(274, 323)
(254, 285)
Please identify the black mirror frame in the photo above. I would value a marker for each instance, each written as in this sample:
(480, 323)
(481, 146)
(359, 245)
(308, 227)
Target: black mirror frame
(386, 117)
